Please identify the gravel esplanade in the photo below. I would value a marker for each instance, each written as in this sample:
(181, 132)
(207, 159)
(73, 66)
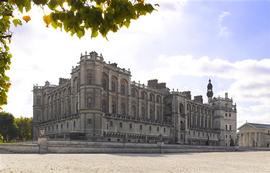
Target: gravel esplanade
(220, 162)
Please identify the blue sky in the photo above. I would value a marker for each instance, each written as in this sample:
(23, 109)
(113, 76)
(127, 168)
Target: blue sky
(183, 43)
(247, 26)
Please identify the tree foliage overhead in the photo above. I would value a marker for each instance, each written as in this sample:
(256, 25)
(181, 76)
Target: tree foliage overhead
(73, 16)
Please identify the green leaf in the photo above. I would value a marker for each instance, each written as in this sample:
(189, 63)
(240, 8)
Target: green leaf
(80, 33)
(40, 2)
(54, 24)
(52, 4)
(94, 33)
(27, 5)
(16, 22)
(127, 23)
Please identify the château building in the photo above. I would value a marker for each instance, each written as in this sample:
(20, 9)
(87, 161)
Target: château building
(101, 103)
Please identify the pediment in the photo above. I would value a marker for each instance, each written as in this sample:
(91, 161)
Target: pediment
(246, 127)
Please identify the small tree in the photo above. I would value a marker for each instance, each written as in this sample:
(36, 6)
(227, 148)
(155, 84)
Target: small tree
(8, 127)
(24, 125)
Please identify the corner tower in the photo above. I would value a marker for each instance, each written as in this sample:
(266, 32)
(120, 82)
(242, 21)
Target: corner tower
(209, 91)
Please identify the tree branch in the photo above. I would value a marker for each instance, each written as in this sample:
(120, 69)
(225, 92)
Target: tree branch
(5, 36)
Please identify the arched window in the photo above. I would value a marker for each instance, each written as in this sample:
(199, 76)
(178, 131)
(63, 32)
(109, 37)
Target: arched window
(133, 111)
(104, 106)
(77, 106)
(152, 113)
(143, 111)
(114, 107)
(152, 97)
(205, 122)
(90, 100)
(159, 113)
(55, 105)
(143, 95)
(188, 121)
(105, 81)
(123, 108)
(181, 108)
(123, 89)
(49, 107)
(198, 121)
(182, 125)
(75, 84)
(194, 120)
(158, 99)
(89, 76)
(69, 91)
(114, 84)
(134, 92)
(124, 86)
(209, 122)
(202, 121)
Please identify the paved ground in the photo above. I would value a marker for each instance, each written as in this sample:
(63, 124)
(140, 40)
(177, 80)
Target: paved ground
(229, 162)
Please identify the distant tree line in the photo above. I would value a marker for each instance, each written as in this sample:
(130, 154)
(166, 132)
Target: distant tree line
(14, 129)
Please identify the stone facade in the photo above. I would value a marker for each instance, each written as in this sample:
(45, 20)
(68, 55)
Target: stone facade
(101, 103)
(254, 135)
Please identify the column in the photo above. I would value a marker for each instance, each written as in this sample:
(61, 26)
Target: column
(249, 136)
(259, 139)
(255, 139)
(245, 139)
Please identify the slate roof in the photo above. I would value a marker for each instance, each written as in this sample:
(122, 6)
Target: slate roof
(260, 126)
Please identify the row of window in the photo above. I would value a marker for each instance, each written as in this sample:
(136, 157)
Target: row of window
(228, 114)
(60, 126)
(203, 134)
(50, 99)
(226, 136)
(61, 93)
(199, 121)
(124, 89)
(228, 127)
(199, 109)
(131, 126)
(134, 110)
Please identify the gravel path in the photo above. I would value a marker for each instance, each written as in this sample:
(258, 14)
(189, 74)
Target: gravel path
(220, 162)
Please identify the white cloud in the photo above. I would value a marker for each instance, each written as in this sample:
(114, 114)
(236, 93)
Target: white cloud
(223, 30)
(250, 84)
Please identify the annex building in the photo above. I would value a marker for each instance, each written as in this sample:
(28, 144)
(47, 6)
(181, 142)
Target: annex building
(254, 135)
(100, 102)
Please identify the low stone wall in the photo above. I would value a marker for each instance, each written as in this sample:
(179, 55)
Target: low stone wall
(110, 147)
(19, 148)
